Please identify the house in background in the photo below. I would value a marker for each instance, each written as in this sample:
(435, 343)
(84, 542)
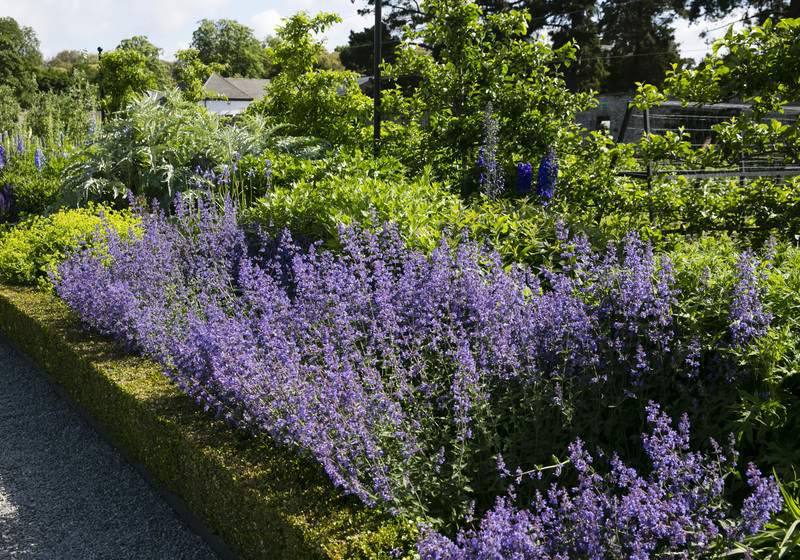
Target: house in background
(240, 92)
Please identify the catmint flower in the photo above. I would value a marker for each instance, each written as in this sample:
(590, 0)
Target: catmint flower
(524, 178)
(548, 173)
(37, 158)
(749, 319)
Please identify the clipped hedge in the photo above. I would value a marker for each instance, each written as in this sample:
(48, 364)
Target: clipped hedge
(261, 500)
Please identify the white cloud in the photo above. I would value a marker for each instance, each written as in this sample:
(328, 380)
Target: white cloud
(264, 23)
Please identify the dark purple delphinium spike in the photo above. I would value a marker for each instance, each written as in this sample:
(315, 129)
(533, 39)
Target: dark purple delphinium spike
(547, 175)
(37, 159)
(524, 178)
(2, 158)
(6, 199)
(20, 144)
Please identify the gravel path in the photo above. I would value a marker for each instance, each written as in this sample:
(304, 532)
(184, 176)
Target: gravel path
(66, 493)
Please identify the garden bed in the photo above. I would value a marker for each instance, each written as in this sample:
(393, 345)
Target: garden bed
(261, 500)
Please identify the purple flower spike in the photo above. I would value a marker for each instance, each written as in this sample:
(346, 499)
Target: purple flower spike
(548, 173)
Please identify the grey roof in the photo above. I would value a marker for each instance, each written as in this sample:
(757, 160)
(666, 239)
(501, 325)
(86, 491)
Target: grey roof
(253, 88)
(236, 89)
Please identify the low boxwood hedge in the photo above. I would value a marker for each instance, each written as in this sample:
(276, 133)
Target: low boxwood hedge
(260, 499)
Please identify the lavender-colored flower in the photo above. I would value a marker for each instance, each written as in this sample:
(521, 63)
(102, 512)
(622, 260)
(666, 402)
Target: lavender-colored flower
(20, 144)
(2, 158)
(548, 174)
(524, 178)
(749, 319)
(679, 509)
(267, 174)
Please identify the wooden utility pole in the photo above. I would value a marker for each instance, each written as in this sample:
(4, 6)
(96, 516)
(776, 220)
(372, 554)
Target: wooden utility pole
(376, 79)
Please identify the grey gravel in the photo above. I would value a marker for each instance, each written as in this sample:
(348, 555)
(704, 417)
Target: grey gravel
(65, 492)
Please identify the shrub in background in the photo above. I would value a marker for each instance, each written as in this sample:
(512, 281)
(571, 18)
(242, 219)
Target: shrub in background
(357, 189)
(319, 103)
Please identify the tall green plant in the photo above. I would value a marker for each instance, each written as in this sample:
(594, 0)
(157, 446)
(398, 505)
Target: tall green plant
(155, 150)
(319, 103)
(477, 59)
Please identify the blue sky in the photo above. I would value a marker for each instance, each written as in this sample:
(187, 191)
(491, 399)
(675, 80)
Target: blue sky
(168, 24)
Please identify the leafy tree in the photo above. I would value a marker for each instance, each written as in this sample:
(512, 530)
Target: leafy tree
(18, 59)
(9, 109)
(192, 74)
(641, 32)
(24, 39)
(66, 59)
(359, 53)
(320, 103)
(228, 42)
(579, 27)
(643, 43)
(154, 64)
(481, 59)
(329, 61)
(124, 75)
(52, 80)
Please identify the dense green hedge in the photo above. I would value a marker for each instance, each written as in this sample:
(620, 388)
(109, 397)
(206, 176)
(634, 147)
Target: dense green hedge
(261, 500)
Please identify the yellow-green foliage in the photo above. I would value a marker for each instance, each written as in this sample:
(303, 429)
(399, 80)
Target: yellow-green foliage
(37, 244)
(315, 207)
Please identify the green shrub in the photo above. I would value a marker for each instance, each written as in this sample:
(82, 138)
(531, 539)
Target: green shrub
(36, 245)
(9, 108)
(359, 189)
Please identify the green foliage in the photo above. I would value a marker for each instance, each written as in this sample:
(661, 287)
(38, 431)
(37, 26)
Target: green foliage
(231, 45)
(757, 66)
(478, 59)
(295, 49)
(125, 76)
(192, 73)
(32, 248)
(33, 189)
(15, 71)
(56, 116)
(319, 103)
(152, 54)
(9, 108)
(24, 39)
(521, 231)
(358, 55)
(358, 189)
(155, 149)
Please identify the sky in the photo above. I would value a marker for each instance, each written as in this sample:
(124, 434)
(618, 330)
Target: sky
(169, 24)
